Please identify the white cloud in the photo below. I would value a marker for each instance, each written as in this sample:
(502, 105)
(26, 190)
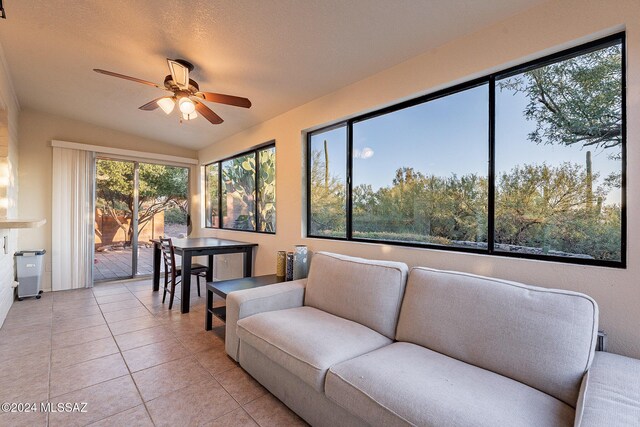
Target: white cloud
(365, 153)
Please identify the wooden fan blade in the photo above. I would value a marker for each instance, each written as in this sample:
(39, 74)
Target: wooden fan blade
(150, 106)
(207, 113)
(220, 98)
(122, 76)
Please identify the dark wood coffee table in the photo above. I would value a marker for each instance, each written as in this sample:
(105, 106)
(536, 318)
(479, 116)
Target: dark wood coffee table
(224, 287)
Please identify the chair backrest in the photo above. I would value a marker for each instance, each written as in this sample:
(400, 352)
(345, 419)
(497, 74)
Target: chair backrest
(169, 256)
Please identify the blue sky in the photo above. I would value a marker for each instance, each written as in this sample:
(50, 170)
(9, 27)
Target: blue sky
(449, 135)
(445, 136)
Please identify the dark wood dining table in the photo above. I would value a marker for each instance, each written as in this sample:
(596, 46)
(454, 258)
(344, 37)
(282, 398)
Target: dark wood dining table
(191, 247)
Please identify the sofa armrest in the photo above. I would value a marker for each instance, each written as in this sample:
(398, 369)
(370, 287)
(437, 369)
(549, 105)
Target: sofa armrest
(610, 392)
(241, 304)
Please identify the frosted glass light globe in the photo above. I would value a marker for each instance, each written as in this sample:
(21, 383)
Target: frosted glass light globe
(187, 106)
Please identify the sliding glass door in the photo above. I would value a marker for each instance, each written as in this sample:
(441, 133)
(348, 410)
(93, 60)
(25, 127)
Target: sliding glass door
(114, 198)
(134, 203)
(163, 208)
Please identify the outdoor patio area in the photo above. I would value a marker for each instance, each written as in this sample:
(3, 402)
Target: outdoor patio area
(116, 264)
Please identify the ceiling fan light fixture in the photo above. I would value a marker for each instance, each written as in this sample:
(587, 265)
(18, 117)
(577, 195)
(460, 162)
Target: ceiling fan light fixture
(167, 104)
(184, 92)
(190, 116)
(186, 105)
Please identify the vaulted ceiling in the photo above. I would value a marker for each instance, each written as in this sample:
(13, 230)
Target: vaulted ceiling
(278, 53)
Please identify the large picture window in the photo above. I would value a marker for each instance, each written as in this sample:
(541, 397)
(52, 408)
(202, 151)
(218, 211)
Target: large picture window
(527, 162)
(418, 177)
(240, 192)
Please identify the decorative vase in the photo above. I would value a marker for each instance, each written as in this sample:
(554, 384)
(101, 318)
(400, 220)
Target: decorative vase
(281, 264)
(300, 262)
(289, 275)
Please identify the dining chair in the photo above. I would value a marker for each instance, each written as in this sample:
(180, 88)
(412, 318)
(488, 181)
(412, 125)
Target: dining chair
(173, 272)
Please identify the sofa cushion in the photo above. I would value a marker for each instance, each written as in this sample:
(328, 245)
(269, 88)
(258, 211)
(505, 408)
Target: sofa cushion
(404, 384)
(610, 392)
(307, 341)
(367, 292)
(541, 337)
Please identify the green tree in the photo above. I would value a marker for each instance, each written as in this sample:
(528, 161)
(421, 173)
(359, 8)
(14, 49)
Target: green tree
(539, 209)
(545, 208)
(533, 197)
(422, 208)
(160, 187)
(577, 101)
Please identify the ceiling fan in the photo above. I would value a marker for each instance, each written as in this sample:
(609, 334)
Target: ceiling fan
(186, 93)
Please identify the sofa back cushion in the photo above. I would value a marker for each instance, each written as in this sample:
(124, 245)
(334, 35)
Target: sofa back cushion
(544, 338)
(364, 291)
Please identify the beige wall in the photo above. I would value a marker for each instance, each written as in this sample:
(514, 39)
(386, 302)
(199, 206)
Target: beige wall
(550, 27)
(9, 110)
(35, 168)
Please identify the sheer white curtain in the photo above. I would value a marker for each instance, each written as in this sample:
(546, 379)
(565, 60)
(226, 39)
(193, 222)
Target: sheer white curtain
(72, 219)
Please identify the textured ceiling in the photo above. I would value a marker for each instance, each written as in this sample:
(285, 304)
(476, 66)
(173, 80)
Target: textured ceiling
(278, 53)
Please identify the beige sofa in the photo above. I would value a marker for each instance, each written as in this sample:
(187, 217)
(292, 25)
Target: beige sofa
(365, 342)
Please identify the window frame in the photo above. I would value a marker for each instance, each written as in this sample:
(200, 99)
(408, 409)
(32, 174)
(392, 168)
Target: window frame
(490, 80)
(347, 183)
(255, 151)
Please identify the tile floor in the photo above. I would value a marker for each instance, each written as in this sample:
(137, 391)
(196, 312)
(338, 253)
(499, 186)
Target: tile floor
(134, 362)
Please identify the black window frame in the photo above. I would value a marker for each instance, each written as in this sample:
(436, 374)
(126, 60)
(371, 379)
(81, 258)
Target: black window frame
(255, 151)
(490, 80)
